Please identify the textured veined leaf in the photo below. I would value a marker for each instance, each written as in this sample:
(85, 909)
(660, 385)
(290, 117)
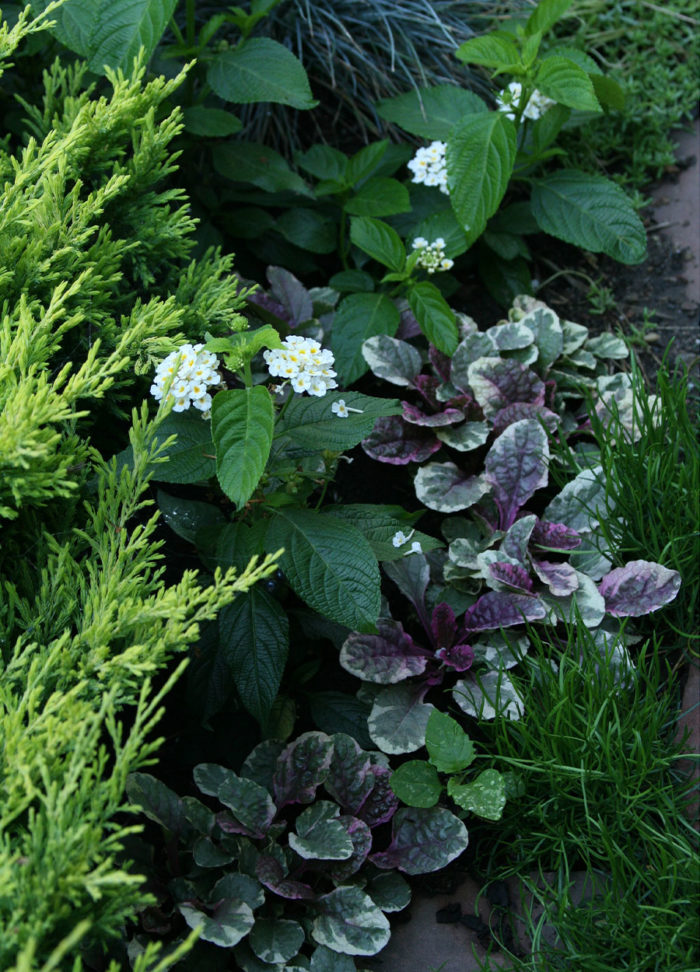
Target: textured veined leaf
(564, 81)
(109, 34)
(254, 638)
(480, 157)
(431, 112)
(360, 316)
(210, 122)
(591, 212)
(260, 69)
(349, 922)
(435, 316)
(242, 422)
(545, 15)
(495, 50)
(378, 240)
(329, 564)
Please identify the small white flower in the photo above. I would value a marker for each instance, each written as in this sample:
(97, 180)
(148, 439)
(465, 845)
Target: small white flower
(339, 408)
(415, 548)
(400, 538)
(342, 410)
(304, 363)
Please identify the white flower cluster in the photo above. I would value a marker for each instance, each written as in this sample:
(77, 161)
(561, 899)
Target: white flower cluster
(184, 378)
(429, 167)
(432, 255)
(304, 363)
(509, 100)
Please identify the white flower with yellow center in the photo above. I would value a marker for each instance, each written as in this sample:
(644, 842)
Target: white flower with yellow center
(304, 363)
(184, 378)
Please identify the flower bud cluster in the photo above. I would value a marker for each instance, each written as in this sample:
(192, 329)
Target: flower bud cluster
(429, 167)
(184, 378)
(509, 100)
(431, 256)
(304, 363)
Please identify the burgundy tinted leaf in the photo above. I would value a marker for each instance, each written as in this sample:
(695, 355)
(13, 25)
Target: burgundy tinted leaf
(501, 609)
(228, 823)
(423, 841)
(443, 625)
(394, 441)
(269, 872)
(512, 575)
(427, 386)
(521, 410)
(561, 579)
(387, 657)
(350, 779)
(291, 293)
(638, 588)
(361, 837)
(556, 536)
(412, 576)
(302, 767)
(414, 415)
(459, 657)
(441, 363)
(498, 382)
(516, 466)
(408, 325)
(382, 803)
(261, 299)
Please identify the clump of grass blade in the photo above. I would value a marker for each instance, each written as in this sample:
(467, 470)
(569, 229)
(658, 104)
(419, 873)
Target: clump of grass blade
(598, 760)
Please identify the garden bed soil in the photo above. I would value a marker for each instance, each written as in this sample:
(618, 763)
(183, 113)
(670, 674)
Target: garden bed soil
(449, 931)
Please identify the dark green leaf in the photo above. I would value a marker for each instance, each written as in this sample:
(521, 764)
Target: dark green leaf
(260, 69)
(242, 422)
(360, 316)
(591, 212)
(308, 229)
(430, 112)
(210, 122)
(416, 783)
(256, 163)
(449, 747)
(564, 81)
(379, 197)
(435, 316)
(254, 634)
(495, 50)
(109, 34)
(480, 158)
(545, 15)
(329, 564)
(379, 241)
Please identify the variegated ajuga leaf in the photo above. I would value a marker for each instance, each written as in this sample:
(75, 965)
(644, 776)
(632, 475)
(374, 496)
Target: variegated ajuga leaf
(350, 923)
(638, 588)
(442, 486)
(387, 657)
(423, 840)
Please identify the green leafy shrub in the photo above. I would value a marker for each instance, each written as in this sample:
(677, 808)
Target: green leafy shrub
(94, 247)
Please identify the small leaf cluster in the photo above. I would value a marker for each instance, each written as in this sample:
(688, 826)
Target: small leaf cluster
(450, 751)
(285, 869)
